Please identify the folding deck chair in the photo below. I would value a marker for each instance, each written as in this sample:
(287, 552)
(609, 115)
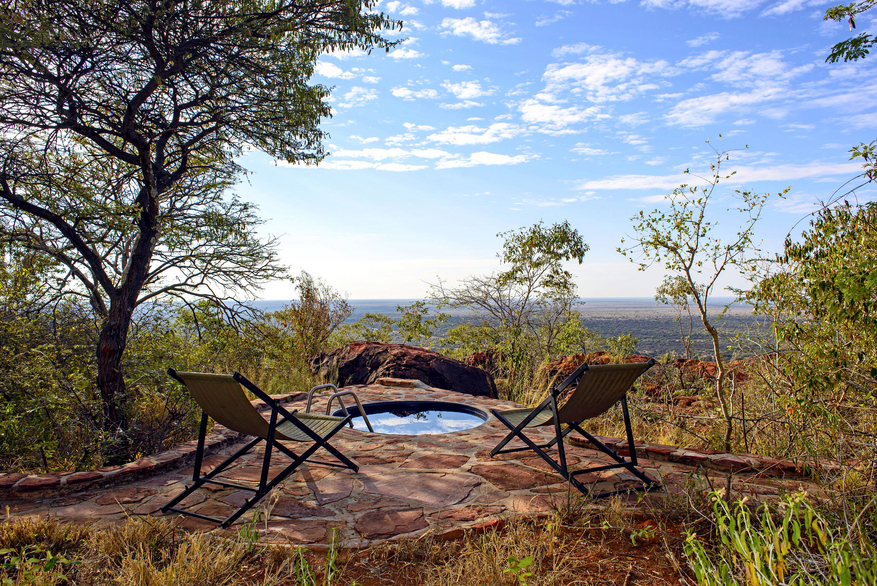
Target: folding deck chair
(222, 397)
(598, 388)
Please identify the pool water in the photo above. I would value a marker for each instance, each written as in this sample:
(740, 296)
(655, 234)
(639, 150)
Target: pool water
(417, 417)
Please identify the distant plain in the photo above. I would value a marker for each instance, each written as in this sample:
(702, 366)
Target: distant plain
(652, 324)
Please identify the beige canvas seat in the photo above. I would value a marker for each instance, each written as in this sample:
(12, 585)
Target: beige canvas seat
(598, 388)
(222, 398)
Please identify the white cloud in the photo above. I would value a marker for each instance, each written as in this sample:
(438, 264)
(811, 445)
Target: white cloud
(605, 77)
(405, 53)
(546, 20)
(704, 110)
(485, 30)
(584, 149)
(462, 67)
(556, 117)
(471, 134)
(461, 105)
(482, 158)
(703, 40)
(634, 119)
(400, 8)
(576, 49)
(399, 167)
(813, 170)
(358, 96)
(365, 140)
(348, 54)
(412, 126)
(331, 70)
(864, 120)
(458, 4)
(724, 8)
(787, 6)
(466, 90)
(371, 79)
(408, 94)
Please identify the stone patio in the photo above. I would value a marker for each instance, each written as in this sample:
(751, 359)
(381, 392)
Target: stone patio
(406, 485)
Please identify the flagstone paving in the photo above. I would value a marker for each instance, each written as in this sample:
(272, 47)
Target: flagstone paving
(406, 485)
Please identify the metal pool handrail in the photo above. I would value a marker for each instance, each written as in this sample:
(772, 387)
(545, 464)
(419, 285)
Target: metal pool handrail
(339, 394)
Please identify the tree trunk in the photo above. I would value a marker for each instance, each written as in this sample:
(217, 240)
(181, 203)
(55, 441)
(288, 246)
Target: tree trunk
(110, 347)
(720, 384)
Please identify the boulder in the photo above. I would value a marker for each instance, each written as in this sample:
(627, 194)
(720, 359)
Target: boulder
(362, 363)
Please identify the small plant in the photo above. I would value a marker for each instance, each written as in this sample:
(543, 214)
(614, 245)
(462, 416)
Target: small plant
(249, 532)
(31, 565)
(798, 546)
(518, 567)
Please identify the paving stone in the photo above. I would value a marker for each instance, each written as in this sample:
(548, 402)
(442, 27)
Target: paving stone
(124, 496)
(437, 462)
(531, 504)
(8, 480)
(299, 530)
(289, 507)
(540, 464)
(438, 490)
(311, 473)
(150, 506)
(39, 482)
(511, 476)
(87, 510)
(491, 496)
(330, 490)
(249, 474)
(383, 524)
(364, 504)
(82, 477)
(383, 459)
(467, 513)
(72, 499)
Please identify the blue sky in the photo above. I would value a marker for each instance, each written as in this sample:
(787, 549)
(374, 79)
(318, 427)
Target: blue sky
(492, 116)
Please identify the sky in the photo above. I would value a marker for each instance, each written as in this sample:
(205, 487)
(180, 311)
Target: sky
(492, 116)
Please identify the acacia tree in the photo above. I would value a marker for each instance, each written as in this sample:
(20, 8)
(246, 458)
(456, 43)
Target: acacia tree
(684, 240)
(119, 128)
(534, 295)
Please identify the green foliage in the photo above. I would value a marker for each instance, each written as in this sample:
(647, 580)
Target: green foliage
(527, 304)
(414, 325)
(307, 324)
(857, 47)
(791, 543)
(31, 565)
(821, 295)
(372, 327)
(684, 240)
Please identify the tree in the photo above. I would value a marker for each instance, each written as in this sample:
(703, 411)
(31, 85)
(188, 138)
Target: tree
(674, 291)
(120, 125)
(533, 296)
(415, 326)
(854, 49)
(684, 240)
(309, 322)
(823, 291)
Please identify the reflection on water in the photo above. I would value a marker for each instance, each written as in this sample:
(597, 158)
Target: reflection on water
(418, 422)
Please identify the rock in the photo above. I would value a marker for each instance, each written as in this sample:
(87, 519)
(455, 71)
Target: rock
(362, 363)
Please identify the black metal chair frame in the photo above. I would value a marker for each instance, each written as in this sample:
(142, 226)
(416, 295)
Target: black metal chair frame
(560, 465)
(278, 414)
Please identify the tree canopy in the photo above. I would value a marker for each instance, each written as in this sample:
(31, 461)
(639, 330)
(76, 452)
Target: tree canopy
(119, 132)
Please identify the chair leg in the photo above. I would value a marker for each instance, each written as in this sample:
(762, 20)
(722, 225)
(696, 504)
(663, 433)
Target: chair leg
(530, 444)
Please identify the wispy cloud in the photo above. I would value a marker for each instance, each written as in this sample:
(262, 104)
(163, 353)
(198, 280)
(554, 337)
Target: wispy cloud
(333, 71)
(358, 96)
(485, 30)
(405, 53)
(409, 94)
(742, 175)
(471, 134)
(466, 90)
(703, 40)
(723, 8)
(483, 158)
